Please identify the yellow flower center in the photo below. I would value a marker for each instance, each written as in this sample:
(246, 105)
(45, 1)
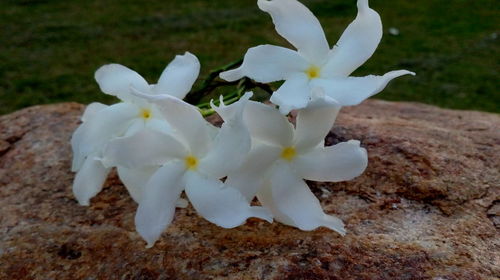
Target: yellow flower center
(288, 153)
(191, 162)
(145, 114)
(313, 72)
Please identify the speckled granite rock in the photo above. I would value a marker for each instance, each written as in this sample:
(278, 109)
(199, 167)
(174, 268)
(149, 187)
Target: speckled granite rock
(426, 208)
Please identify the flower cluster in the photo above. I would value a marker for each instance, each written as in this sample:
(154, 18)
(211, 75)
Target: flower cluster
(162, 146)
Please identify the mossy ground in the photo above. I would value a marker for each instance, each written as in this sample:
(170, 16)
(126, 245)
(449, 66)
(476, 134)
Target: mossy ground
(49, 50)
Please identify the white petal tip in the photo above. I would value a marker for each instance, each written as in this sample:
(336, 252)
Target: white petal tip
(84, 203)
(263, 4)
(334, 224)
(398, 73)
(247, 95)
(231, 75)
(81, 196)
(267, 5)
(262, 213)
(354, 142)
(341, 231)
(284, 109)
(150, 242)
(362, 4)
(99, 73)
(187, 54)
(406, 72)
(320, 99)
(364, 7)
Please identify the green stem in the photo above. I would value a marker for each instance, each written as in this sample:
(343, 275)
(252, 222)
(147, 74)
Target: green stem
(212, 82)
(227, 99)
(207, 112)
(208, 85)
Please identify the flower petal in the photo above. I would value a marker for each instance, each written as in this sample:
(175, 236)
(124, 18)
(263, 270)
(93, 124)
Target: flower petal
(145, 148)
(159, 125)
(353, 90)
(185, 119)
(179, 76)
(92, 135)
(116, 79)
(89, 180)
(292, 202)
(295, 23)
(314, 122)
(231, 144)
(135, 180)
(76, 140)
(357, 44)
(249, 177)
(340, 162)
(266, 124)
(219, 204)
(135, 126)
(157, 205)
(92, 109)
(267, 63)
(293, 94)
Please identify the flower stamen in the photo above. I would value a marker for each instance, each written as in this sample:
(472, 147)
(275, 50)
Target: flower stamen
(288, 153)
(191, 162)
(313, 72)
(145, 114)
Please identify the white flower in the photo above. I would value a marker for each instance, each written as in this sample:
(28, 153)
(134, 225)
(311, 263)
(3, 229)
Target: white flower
(314, 64)
(101, 123)
(194, 161)
(284, 156)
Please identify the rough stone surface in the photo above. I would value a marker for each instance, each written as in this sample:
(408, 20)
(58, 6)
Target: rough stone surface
(427, 207)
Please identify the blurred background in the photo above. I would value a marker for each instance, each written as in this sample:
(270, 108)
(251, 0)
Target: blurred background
(49, 49)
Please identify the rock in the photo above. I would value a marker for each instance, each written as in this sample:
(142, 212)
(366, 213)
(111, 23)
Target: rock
(427, 207)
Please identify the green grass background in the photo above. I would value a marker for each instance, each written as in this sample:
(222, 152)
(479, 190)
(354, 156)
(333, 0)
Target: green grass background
(49, 50)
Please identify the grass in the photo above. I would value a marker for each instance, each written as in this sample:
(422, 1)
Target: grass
(49, 50)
